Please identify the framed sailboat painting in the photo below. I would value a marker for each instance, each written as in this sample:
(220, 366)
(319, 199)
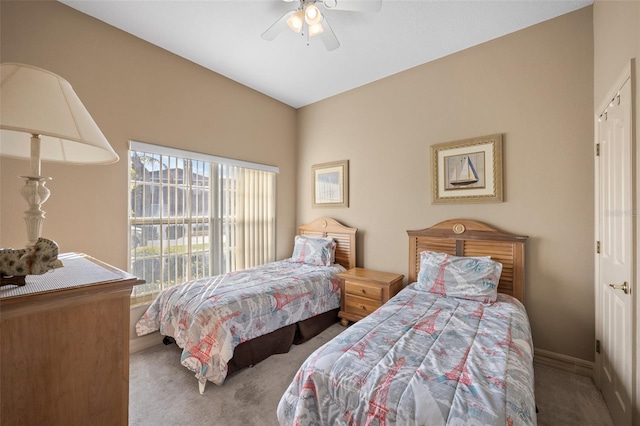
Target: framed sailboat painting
(468, 170)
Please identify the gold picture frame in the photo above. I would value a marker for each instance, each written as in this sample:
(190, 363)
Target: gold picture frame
(468, 170)
(330, 184)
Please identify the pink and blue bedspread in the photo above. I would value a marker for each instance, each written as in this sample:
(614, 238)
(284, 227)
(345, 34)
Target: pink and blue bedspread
(209, 317)
(421, 359)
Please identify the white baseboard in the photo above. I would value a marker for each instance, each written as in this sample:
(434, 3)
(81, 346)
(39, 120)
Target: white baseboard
(144, 342)
(563, 362)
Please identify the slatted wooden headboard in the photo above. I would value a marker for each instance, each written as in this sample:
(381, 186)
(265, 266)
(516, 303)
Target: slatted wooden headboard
(344, 236)
(463, 237)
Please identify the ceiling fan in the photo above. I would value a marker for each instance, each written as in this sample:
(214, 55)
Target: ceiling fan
(309, 20)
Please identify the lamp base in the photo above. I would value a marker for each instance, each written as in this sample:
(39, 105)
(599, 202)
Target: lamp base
(35, 193)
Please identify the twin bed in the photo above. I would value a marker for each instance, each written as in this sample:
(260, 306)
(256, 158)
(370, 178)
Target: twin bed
(228, 322)
(446, 350)
(453, 347)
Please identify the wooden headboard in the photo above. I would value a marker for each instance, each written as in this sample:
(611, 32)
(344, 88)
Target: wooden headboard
(463, 237)
(344, 236)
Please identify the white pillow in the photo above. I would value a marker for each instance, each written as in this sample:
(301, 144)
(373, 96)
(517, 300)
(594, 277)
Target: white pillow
(319, 251)
(473, 278)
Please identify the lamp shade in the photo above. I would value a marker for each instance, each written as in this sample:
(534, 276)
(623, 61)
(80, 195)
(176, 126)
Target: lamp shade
(315, 29)
(34, 101)
(295, 21)
(312, 15)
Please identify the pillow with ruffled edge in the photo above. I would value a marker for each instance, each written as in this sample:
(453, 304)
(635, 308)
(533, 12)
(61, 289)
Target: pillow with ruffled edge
(473, 278)
(319, 251)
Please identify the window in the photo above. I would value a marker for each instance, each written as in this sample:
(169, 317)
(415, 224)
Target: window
(193, 215)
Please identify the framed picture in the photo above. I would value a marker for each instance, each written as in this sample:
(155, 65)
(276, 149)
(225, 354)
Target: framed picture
(330, 184)
(468, 171)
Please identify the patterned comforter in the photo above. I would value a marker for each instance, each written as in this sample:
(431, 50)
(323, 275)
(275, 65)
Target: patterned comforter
(209, 317)
(421, 359)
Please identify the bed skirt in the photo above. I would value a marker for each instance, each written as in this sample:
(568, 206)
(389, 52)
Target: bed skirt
(279, 341)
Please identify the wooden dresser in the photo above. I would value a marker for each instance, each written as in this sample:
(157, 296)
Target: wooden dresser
(64, 346)
(364, 291)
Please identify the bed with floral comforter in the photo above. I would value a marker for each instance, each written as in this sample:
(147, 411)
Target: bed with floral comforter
(209, 317)
(424, 358)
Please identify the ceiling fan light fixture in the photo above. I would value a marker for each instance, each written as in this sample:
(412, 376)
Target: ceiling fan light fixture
(312, 15)
(295, 21)
(315, 29)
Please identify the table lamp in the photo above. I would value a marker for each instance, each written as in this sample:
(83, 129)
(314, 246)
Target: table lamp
(42, 119)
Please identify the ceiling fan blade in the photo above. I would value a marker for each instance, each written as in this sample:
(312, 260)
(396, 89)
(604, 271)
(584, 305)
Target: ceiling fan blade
(328, 37)
(277, 27)
(353, 5)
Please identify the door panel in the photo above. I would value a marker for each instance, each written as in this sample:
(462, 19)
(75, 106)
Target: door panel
(616, 226)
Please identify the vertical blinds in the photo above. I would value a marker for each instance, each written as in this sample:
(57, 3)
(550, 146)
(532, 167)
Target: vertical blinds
(194, 215)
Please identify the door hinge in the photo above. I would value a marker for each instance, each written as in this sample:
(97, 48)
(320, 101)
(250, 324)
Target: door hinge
(597, 150)
(597, 346)
(598, 247)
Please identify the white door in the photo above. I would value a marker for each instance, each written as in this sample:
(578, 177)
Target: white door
(615, 263)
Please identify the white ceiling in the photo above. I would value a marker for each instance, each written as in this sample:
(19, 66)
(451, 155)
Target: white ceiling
(224, 36)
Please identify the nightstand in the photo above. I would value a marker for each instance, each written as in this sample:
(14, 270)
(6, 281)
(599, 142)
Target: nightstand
(365, 290)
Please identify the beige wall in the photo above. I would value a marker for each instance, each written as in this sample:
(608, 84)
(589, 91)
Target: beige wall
(137, 91)
(616, 31)
(536, 88)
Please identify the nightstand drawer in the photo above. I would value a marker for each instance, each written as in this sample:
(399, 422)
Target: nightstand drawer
(363, 289)
(360, 305)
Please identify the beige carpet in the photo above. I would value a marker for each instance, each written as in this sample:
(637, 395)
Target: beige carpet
(566, 399)
(163, 393)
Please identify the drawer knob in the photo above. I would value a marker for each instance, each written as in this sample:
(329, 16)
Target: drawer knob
(363, 291)
(364, 308)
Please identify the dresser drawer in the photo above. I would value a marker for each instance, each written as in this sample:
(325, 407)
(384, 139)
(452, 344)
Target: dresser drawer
(361, 289)
(360, 305)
